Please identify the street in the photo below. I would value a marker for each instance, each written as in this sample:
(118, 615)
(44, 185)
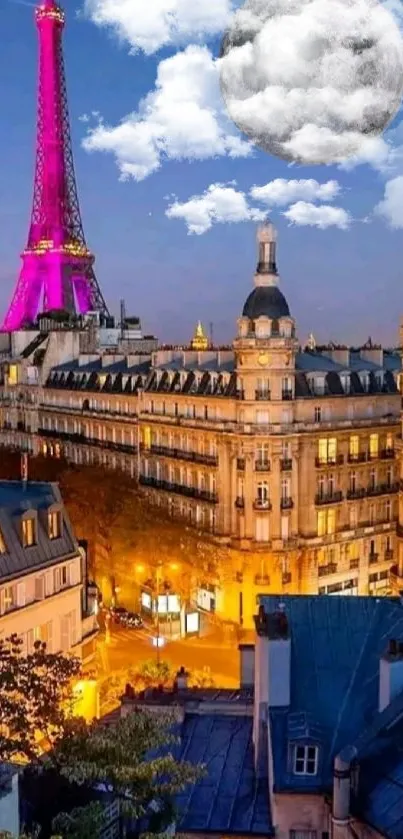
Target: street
(128, 648)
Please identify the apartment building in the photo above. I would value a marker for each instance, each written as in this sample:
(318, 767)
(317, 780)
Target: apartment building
(43, 581)
(287, 455)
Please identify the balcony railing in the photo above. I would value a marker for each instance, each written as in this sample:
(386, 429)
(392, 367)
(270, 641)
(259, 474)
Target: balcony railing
(72, 437)
(372, 558)
(389, 554)
(286, 464)
(387, 454)
(240, 463)
(286, 395)
(383, 489)
(325, 570)
(354, 564)
(240, 502)
(356, 493)
(180, 489)
(262, 465)
(182, 454)
(357, 457)
(322, 462)
(262, 395)
(262, 504)
(262, 580)
(329, 497)
(286, 503)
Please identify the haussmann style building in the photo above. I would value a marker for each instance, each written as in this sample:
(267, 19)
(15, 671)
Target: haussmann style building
(287, 456)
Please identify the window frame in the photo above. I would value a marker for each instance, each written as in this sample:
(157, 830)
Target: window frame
(305, 758)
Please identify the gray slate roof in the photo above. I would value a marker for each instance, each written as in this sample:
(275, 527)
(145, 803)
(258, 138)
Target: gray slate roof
(15, 500)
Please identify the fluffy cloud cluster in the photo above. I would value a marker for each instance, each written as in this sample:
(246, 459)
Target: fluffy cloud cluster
(312, 80)
(223, 203)
(181, 119)
(148, 26)
(391, 206)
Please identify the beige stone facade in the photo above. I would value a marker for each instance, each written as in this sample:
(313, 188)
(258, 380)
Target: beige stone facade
(286, 455)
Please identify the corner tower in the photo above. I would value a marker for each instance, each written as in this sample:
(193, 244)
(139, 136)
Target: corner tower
(266, 344)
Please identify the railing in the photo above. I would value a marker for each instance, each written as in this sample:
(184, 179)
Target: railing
(372, 558)
(87, 441)
(329, 461)
(262, 465)
(262, 395)
(357, 457)
(262, 504)
(383, 489)
(286, 503)
(240, 463)
(286, 395)
(262, 580)
(286, 464)
(389, 554)
(182, 454)
(325, 570)
(387, 454)
(180, 489)
(358, 492)
(329, 497)
(354, 564)
(240, 502)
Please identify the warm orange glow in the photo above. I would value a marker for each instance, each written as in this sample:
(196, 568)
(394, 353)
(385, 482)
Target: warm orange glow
(140, 569)
(86, 699)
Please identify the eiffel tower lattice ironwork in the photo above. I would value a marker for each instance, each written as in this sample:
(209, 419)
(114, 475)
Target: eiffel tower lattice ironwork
(57, 271)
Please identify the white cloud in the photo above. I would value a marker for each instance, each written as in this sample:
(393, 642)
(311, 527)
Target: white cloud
(181, 119)
(148, 26)
(391, 206)
(220, 203)
(281, 192)
(305, 214)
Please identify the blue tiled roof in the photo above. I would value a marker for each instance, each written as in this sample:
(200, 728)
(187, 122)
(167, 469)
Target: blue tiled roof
(230, 798)
(336, 643)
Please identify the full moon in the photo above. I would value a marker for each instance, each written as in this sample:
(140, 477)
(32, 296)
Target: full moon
(312, 81)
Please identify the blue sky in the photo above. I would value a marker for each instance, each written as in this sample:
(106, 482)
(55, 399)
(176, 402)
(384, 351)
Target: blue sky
(342, 284)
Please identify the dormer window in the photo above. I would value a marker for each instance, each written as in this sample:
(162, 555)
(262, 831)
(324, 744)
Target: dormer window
(54, 524)
(28, 532)
(305, 760)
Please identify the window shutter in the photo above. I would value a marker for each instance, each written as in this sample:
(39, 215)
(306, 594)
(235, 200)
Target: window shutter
(21, 594)
(57, 581)
(39, 587)
(49, 583)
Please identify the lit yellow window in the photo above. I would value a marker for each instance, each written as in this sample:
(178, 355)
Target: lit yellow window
(322, 450)
(331, 521)
(321, 522)
(13, 374)
(389, 442)
(332, 449)
(373, 445)
(354, 446)
(28, 533)
(54, 524)
(146, 435)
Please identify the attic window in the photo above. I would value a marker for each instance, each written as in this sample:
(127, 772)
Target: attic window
(54, 524)
(305, 760)
(28, 532)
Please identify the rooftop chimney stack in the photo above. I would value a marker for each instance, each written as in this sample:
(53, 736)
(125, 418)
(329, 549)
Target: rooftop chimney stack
(342, 774)
(390, 673)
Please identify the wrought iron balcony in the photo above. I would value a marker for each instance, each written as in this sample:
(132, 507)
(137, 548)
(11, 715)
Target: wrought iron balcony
(240, 463)
(286, 395)
(372, 558)
(286, 464)
(240, 502)
(262, 504)
(286, 503)
(356, 493)
(357, 457)
(72, 437)
(286, 578)
(180, 489)
(329, 497)
(387, 454)
(325, 570)
(262, 395)
(389, 554)
(323, 462)
(383, 489)
(262, 465)
(354, 564)
(240, 394)
(262, 580)
(182, 454)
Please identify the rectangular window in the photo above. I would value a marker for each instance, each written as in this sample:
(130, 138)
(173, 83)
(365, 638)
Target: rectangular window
(322, 450)
(318, 413)
(40, 587)
(28, 532)
(64, 576)
(354, 447)
(54, 524)
(331, 521)
(374, 445)
(322, 522)
(10, 598)
(305, 760)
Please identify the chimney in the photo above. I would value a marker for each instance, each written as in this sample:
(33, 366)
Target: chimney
(272, 668)
(247, 665)
(182, 679)
(390, 673)
(342, 772)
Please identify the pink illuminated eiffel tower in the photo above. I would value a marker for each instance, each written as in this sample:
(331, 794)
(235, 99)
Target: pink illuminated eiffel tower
(57, 271)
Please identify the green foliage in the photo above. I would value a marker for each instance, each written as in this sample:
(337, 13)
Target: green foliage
(36, 698)
(149, 673)
(119, 757)
(80, 823)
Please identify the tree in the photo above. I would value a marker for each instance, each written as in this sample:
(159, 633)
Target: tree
(150, 673)
(119, 757)
(36, 698)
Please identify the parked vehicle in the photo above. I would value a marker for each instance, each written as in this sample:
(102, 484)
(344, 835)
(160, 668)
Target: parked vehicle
(132, 620)
(118, 613)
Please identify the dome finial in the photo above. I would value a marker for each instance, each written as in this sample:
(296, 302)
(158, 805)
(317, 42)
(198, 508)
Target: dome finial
(266, 271)
(199, 340)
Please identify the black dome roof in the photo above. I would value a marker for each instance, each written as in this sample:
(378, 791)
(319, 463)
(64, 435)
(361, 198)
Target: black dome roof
(267, 301)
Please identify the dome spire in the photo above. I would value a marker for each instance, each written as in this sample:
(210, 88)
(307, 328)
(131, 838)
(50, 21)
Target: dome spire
(266, 271)
(199, 340)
